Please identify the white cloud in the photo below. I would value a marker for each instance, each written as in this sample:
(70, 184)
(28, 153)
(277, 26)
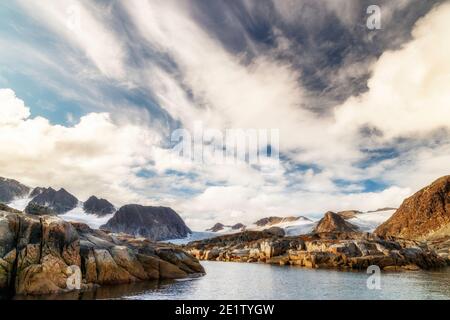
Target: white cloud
(95, 156)
(80, 24)
(409, 90)
(102, 154)
(233, 204)
(12, 110)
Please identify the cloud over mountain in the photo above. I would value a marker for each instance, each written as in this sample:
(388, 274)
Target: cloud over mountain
(362, 114)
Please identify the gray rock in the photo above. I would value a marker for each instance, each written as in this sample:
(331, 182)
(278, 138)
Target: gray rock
(38, 210)
(11, 189)
(155, 223)
(217, 227)
(59, 201)
(100, 207)
(276, 231)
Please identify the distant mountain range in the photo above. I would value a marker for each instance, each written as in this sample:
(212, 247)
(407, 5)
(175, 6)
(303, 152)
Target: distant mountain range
(155, 223)
(293, 226)
(423, 216)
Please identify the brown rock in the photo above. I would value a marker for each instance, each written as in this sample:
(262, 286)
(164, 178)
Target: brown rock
(332, 222)
(425, 215)
(39, 253)
(170, 271)
(108, 272)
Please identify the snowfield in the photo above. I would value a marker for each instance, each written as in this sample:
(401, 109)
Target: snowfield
(369, 221)
(20, 203)
(92, 220)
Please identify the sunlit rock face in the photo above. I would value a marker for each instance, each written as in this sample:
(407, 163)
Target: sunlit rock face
(425, 215)
(45, 255)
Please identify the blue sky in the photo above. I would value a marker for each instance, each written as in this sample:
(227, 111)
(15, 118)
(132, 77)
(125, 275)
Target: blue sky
(92, 91)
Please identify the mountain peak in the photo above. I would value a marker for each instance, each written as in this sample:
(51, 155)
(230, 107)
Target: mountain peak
(11, 189)
(333, 222)
(59, 201)
(155, 223)
(98, 206)
(428, 209)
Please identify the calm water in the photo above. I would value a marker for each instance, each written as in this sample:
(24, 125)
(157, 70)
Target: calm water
(260, 281)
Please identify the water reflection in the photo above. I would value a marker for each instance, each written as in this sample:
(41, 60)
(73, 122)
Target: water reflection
(233, 281)
(103, 292)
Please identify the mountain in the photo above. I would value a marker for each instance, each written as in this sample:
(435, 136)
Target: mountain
(37, 191)
(423, 216)
(98, 206)
(219, 227)
(332, 222)
(59, 201)
(349, 214)
(11, 189)
(270, 221)
(383, 209)
(238, 226)
(155, 223)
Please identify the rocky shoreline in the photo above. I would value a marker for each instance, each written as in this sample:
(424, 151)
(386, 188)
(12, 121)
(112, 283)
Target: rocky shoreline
(47, 255)
(332, 250)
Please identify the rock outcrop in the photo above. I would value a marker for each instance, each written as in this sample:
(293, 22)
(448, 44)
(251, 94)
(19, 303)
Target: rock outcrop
(350, 250)
(11, 189)
(59, 201)
(39, 210)
(333, 222)
(155, 223)
(46, 255)
(99, 207)
(4, 207)
(425, 215)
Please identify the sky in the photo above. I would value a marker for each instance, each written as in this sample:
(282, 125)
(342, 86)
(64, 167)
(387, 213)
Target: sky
(91, 93)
